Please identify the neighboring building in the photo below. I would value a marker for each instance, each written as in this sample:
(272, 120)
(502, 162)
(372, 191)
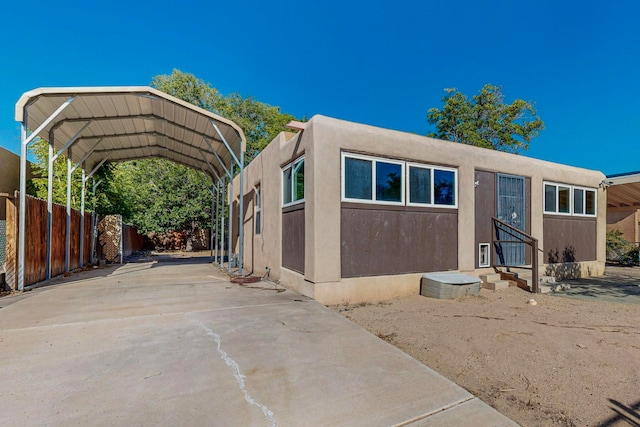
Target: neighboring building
(9, 182)
(9, 176)
(623, 204)
(344, 212)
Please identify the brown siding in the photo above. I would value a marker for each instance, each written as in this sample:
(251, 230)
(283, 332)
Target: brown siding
(293, 238)
(382, 240)
(569, 239)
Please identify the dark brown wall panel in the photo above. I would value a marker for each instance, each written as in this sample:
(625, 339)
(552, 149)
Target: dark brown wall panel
(569, 239)
(293, 238)
(381, 241)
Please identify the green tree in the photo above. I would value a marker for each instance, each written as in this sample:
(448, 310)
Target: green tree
(164, 196)
(107, 200)
(260, 122)
(485, 120)
(157, 194)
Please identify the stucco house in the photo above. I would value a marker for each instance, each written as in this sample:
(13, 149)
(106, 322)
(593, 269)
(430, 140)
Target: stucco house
(345, 212)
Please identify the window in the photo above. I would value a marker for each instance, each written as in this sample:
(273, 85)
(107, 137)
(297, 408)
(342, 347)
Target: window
(258, 202)
(569, 200)
(293, 182)
(372, 179)
(385, 181)
(432, 185)
(584, 201)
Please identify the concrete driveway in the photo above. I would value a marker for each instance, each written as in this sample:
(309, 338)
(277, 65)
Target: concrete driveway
(175, 343)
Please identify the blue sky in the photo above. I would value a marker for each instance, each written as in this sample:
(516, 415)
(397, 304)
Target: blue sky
(376, 62)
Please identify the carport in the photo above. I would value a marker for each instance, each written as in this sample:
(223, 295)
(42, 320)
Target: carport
(623, 204)
(93, 125)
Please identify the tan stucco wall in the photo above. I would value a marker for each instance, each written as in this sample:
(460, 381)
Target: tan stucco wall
(9, 176)
(624, 219)
(265, 249)
(323, 141)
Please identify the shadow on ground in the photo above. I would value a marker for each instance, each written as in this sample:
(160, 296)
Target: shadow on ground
(624, 415)
(619, 284)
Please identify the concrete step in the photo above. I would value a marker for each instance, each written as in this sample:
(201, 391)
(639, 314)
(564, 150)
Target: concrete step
(497, 285)
(488, 278)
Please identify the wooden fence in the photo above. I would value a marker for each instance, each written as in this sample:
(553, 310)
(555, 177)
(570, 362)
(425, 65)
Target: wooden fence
(35, 268)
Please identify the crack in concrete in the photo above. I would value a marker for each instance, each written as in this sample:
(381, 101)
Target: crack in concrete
(236, 370)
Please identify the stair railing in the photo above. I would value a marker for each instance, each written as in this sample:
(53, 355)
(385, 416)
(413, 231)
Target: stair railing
(522, 237)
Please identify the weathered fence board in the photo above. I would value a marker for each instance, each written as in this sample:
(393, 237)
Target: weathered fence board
(36, 240)
(11, 262)
(58, 239)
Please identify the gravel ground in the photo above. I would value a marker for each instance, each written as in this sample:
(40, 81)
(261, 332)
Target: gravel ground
(563, 361)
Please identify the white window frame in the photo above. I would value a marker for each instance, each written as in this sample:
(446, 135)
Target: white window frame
(257, 229)
(571, 196)
(432, 175)
(584, 201)
(291, 166)
(373, 161)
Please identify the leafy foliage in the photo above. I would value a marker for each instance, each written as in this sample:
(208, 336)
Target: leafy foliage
(620, 250)
(163, 196)
(260, 122)
(486, 120)
(157, 194)
(106, 201)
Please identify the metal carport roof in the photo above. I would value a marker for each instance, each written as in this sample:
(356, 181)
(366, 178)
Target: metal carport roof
(92, 125)
(125, 123)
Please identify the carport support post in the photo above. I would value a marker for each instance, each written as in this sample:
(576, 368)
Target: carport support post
(214, 237)
(49, 205)
(67, 248)
(230, 236)
(241, 216)
(93, 221)
(82, 195)
(222, 204)
(213, 220)
(23, 199)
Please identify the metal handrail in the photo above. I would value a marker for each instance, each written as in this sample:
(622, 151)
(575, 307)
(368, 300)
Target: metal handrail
(526, 239)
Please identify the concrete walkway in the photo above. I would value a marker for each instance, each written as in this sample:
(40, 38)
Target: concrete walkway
(175, 343)
(618, 284)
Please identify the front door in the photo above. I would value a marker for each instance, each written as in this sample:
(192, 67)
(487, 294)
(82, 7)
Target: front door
(512, 210)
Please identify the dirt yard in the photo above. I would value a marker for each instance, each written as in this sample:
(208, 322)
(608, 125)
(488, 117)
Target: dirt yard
(563, 362)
